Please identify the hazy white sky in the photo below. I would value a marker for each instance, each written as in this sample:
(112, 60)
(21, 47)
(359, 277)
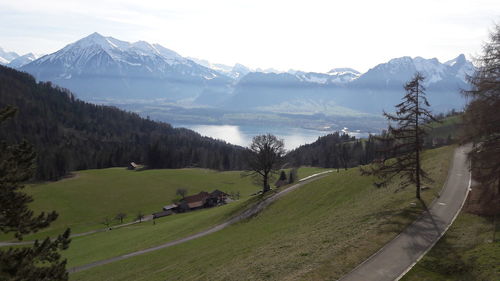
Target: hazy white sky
(307, 35)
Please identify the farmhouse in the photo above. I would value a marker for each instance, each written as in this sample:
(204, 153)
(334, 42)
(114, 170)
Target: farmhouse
(197, 201)
(200, 200)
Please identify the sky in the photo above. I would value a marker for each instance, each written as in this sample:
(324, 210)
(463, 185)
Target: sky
(303, 35)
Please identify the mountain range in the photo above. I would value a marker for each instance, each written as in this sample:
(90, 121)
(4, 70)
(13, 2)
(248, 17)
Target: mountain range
(107, 70)
(14, 60)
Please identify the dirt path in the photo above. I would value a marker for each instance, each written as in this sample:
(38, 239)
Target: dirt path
(146, 218)
(398, 256)
(246, 214)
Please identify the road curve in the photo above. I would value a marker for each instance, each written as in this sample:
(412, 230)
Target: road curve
(244, 215)
(398, 256)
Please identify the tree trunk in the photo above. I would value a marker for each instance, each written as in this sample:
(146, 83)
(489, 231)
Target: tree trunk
(417, 146)
(266, 185)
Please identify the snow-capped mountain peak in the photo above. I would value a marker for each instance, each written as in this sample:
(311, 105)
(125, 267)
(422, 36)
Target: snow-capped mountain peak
(96, 39)
(95, 44)
(460, 60)
(461, 67)
(6, 57)
(343, 70)
(433, 70)
(23, 60)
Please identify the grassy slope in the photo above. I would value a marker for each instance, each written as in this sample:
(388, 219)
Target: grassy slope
(83, 201)
(449, 126)
(318, 232)
(465, 252)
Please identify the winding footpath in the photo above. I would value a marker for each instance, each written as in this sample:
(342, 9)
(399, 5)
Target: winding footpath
(244, 215)
(146, 218)
(398, 256)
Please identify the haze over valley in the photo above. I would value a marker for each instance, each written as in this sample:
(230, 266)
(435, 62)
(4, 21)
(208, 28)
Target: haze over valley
(158, 83)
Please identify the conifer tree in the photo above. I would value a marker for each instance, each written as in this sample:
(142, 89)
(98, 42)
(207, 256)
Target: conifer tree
(482, 119)
(41, 261)
(404, 141)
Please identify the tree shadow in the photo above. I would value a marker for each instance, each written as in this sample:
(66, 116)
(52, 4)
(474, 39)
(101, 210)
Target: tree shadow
(395, 220)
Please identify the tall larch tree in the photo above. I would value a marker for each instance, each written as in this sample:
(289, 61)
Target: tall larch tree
(404, 140)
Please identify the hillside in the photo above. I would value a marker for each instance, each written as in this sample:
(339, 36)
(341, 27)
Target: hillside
(318, 232)
(343, 151)
(69, 134)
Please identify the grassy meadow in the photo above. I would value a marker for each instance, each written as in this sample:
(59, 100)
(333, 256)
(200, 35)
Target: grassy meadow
(318, 232)
(84, 200)
(466, 252)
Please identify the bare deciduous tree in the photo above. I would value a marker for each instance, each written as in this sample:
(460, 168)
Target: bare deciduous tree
(107, 222)
(139, 216)
(120, 217)
(181, 192)
(264, 158)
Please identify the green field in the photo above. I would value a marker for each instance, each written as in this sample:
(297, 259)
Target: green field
(318, 232)
(466, 252)
(86, 199)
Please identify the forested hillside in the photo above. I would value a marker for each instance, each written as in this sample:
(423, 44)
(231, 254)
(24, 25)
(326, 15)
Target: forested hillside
(343, 151)
(69, 134)
(334, 151)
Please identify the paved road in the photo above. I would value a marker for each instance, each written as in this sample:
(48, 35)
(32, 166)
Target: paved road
(398, 256)
(246, 214)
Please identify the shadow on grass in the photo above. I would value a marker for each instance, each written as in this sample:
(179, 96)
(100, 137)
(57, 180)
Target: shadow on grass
(445, 259)
(395, 220)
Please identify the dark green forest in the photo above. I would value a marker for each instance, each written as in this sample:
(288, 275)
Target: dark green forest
(69, 134)
(343, 151)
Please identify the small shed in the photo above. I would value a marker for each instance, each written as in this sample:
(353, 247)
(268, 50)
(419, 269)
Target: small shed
(170, 207)
(132, 166)
(162, 214)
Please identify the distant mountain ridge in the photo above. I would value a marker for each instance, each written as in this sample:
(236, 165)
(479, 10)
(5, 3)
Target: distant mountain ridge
(99, 68)
(6, 57)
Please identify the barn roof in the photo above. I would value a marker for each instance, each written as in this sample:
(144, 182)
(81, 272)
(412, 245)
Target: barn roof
(202, 196)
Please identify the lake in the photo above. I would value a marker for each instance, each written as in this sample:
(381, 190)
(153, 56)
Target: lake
(242, 135)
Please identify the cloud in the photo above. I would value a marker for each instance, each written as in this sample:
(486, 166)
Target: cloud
(310, 35)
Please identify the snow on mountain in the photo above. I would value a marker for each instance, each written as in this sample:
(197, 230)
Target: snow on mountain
(312, 77)
(7, 57)
(100, 67)
(334, 76)
(401, 69)
(86, 48)
(461, 67)
(23, 60)
(343, 75)
(235, 72)
(269, 70)
(239, 71)
(344, 70)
